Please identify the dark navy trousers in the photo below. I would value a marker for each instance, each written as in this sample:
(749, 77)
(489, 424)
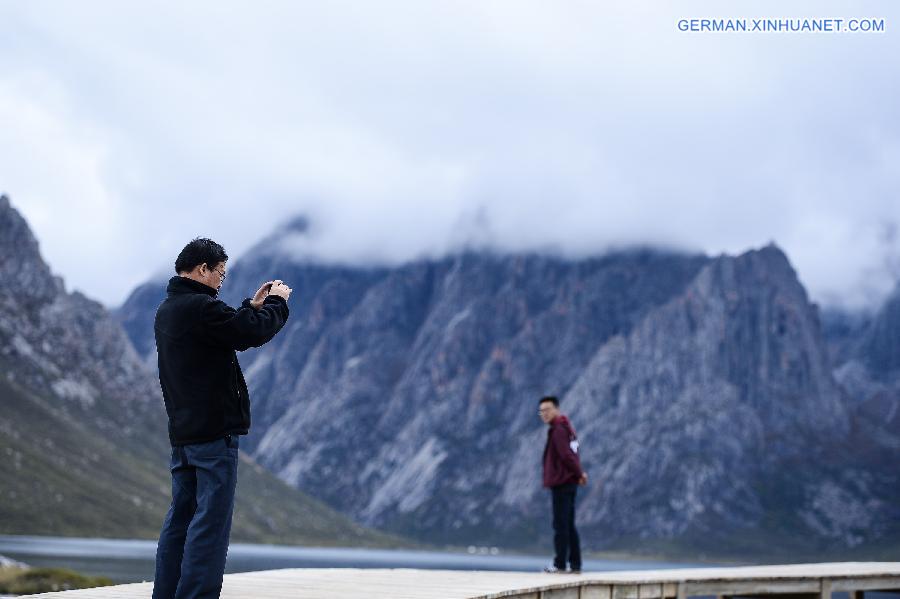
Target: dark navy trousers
(193, 544)
(565, 535)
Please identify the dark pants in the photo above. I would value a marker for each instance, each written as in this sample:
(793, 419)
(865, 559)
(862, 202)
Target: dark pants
(565, 536)
(190, 557)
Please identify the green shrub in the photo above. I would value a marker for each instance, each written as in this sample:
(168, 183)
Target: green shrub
(24, 581)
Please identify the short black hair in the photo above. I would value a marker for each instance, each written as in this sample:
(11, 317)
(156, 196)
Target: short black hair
(200, 251)
(551, 398)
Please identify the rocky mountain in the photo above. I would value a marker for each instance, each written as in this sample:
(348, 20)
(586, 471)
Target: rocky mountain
(724, 398)
(879, 349)
(871, 376)
(703, 389)
(869, 367)
(83, 445)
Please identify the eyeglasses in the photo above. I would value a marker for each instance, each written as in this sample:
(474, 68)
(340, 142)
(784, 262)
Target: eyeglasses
(221, 274)
(544, 410)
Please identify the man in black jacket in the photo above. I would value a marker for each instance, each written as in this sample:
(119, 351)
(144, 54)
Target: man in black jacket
(208, 406)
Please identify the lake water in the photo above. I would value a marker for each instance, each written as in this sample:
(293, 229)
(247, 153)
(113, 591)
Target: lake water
(133, 560)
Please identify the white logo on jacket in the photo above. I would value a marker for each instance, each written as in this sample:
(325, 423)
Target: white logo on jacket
(574, 445)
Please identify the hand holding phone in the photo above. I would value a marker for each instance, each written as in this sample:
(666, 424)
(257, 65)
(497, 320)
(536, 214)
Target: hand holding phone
(261, 294)
(280, 289)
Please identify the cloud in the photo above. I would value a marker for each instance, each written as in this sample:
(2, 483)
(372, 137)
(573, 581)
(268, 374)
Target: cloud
(406, 129)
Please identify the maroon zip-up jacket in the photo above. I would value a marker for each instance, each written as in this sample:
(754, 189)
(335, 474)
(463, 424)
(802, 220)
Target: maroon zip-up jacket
(561, 462)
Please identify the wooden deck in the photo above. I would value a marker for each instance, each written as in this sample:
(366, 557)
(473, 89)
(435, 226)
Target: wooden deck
(804, 581)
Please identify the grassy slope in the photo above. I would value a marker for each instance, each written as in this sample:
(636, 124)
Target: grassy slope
(21, 581)
(58, 476)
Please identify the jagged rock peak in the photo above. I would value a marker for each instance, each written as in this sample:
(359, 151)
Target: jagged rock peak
(295, 228)
(297, 224)
(880, 348)
(22, 270)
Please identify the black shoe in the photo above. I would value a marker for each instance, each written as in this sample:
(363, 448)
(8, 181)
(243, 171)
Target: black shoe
(575, 571)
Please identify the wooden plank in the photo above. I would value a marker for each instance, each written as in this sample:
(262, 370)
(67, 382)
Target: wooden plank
(650, 591)
(753, 587)
(596, 591)
(869, 583)
(817, 581)
(625, 591)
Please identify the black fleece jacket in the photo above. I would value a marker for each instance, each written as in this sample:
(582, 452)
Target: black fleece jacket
(197, 336)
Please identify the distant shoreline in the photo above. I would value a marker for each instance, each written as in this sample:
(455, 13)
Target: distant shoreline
(131, 560)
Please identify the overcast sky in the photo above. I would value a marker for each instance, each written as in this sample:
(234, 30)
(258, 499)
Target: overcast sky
(410, 128)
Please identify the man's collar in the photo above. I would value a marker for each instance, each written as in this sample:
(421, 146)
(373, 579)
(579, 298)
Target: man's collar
(179, 284)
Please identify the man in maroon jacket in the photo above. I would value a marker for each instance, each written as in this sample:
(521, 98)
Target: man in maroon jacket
(562, 475)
